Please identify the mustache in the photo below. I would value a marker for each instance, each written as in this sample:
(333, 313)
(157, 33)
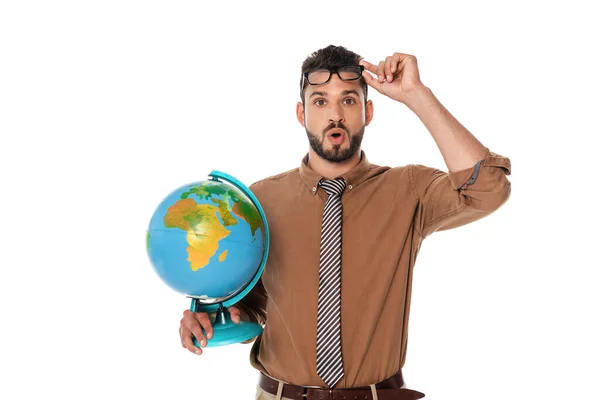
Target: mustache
(335, 125)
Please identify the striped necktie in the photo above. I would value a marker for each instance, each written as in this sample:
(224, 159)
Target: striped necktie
(329, 346)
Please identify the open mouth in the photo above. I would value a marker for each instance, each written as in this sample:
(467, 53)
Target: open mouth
(336, 132)
(336, 136)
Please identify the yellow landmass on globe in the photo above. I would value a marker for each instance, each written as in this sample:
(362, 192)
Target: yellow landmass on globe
(204, 230)
(223, 256)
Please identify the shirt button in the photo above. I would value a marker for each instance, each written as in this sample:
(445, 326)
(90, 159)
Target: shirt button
(349, 187)
(314, 189)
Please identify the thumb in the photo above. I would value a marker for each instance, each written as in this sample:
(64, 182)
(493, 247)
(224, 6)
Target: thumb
(235, 314)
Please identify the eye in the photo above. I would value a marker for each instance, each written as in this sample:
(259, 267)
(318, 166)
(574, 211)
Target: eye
(320, 102)
(349, 101)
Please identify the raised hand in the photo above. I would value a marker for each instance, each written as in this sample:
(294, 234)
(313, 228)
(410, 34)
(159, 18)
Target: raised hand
(396, 77)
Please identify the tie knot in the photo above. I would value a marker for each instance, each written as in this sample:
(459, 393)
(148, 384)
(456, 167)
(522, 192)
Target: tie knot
(333, 186)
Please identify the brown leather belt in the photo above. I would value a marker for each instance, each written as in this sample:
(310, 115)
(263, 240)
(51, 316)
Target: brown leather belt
(389, 389)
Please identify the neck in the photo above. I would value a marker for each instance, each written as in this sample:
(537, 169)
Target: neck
(331, 170)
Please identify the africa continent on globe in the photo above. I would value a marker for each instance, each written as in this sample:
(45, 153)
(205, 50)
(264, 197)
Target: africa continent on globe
(206, 239)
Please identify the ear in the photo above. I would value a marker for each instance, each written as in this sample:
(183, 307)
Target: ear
(368, 112)
(300, 113)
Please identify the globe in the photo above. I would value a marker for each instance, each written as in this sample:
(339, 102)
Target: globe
(209, 240)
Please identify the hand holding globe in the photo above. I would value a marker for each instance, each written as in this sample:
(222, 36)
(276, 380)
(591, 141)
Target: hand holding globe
(209, 240)
(194, 324)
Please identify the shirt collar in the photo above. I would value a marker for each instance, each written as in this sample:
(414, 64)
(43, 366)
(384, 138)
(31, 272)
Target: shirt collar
(352, 178)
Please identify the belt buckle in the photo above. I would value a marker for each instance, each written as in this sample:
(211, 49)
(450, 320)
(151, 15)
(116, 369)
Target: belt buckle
(329, 391)
(304, 390)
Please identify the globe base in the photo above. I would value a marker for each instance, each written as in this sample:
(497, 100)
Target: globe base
(225, 331)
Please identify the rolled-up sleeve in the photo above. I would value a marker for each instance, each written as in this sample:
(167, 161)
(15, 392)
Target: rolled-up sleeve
(451, 199)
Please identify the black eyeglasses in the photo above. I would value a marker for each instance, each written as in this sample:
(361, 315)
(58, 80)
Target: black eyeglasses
(322, 76)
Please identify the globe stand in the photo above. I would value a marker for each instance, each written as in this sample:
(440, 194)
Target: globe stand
(225, 331)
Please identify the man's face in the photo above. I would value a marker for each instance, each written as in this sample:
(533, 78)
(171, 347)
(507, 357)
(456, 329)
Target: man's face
(334, 116)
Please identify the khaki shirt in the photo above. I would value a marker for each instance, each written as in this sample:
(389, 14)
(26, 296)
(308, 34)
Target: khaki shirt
(387, 212)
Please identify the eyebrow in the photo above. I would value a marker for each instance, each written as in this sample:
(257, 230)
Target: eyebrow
(344, 93)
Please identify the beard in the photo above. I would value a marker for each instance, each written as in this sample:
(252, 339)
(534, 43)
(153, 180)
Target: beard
(336, 154)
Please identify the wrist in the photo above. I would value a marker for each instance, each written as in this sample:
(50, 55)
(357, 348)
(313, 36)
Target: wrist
(419, 98)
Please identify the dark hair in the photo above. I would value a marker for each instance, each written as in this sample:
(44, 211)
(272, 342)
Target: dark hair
(330, 57)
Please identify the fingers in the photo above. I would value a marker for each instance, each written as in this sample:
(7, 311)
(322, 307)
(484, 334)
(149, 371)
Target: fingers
(381, 71)
(235, 314)
(186, 340)
(206, 323)
(370, 80)
(389, 69)
(194, 322)
(368, 66)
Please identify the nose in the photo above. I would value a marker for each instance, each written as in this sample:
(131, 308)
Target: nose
(336, 113)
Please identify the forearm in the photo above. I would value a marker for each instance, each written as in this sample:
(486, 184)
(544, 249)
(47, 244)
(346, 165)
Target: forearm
(459, 148)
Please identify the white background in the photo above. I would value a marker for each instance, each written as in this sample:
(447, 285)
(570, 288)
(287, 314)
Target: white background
(105, 107)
